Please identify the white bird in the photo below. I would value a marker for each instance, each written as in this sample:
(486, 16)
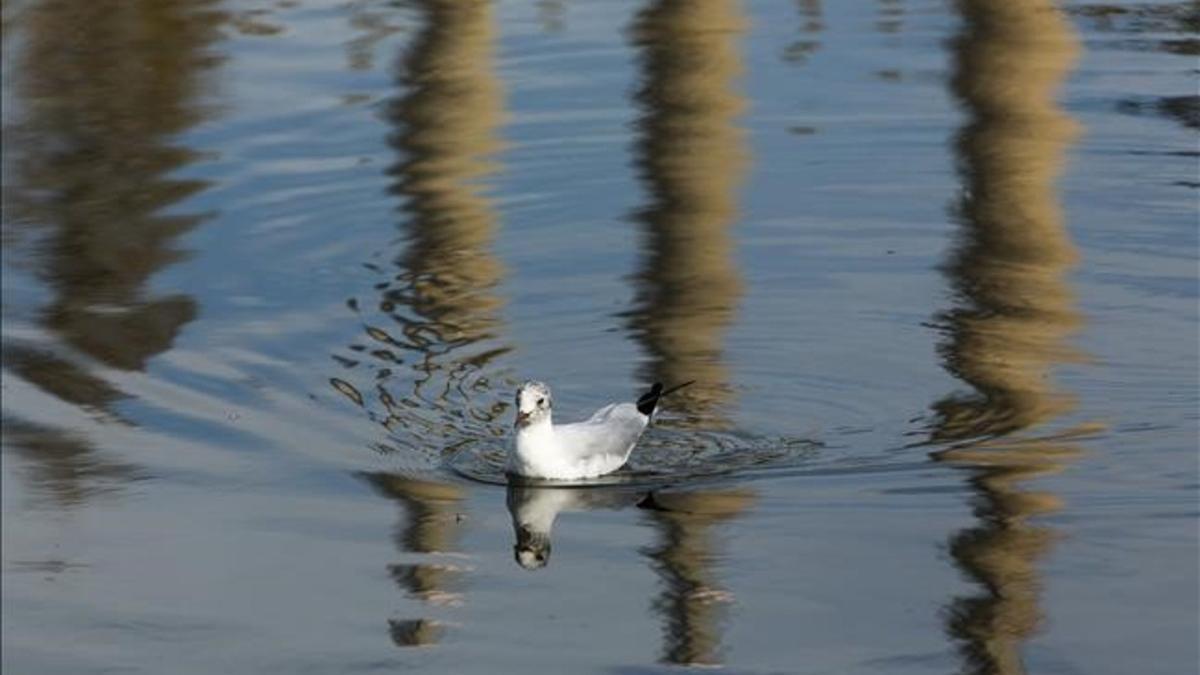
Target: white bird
(587, 449)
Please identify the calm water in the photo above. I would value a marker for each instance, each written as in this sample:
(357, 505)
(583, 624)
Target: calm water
(271, 271)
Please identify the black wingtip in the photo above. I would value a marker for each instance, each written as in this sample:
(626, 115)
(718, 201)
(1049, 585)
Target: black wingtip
(649, 401)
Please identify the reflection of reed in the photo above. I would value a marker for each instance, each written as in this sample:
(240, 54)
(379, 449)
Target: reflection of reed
(64, 464)
(104, 87)
(442, 298)
(692, 602)
(446, 127)
(691, 157)
(1014, 314)
(95, 154)
(430, 526)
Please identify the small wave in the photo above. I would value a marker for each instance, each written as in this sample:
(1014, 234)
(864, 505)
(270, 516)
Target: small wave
(663, 456)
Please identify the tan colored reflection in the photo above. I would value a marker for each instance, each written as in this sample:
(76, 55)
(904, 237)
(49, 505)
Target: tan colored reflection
(440, 292)
(1014, 314)
(692, 602)
(430, 525)
(102, 89)
(446, 130)
(443, 299)
(100, 111)
(691, 156)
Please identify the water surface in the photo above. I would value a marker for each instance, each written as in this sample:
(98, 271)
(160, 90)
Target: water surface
(272, 271)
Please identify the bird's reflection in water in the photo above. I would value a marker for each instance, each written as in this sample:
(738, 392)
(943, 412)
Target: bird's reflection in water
(1013, 315)
(691, 157)
(692, 600)
(534, 510)
(430, 524)
(92, 197)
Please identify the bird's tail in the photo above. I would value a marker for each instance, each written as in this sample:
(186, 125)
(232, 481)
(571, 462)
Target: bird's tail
(649, 400)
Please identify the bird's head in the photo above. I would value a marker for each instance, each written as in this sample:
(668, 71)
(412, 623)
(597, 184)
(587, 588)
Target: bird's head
(532, 550)
(533, 404)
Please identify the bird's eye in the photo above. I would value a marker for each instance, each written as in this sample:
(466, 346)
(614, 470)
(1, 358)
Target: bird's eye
(541, 402)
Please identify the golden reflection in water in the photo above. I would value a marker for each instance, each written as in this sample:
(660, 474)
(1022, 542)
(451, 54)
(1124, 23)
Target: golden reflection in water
(102, 89)
(1014, 314)
(446, 129)
(692, 602)
(440, 292)
(442, 299)
(430, 525)
(691, 156)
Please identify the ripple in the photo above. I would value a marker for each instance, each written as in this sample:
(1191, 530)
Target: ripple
(663, 456)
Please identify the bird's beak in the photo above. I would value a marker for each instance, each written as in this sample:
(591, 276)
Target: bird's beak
(522, 418)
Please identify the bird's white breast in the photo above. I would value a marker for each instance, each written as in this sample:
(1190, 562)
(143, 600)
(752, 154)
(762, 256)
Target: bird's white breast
(574, 451)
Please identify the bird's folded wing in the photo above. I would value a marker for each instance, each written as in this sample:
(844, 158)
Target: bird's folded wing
(602, 414)
(612, 433)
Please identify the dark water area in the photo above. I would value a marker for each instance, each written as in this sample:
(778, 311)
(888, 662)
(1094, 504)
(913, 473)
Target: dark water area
(272, 271)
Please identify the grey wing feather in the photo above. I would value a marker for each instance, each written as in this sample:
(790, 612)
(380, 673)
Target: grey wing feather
(602, 413)
(612, 430)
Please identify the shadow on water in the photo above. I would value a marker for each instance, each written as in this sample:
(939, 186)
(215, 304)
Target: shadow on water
(432, 336)
(1013, 316)
(91, 155)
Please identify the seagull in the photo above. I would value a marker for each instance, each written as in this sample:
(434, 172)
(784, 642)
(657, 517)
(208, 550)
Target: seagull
(594, 447)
